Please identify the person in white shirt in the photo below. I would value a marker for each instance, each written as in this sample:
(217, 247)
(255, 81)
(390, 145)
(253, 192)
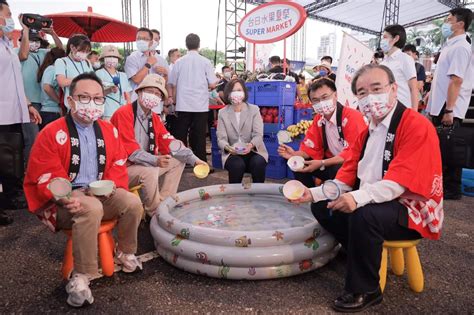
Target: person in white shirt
(190, 81)
(402, 65)
(144, 61)
(452, 87)
(390, 187)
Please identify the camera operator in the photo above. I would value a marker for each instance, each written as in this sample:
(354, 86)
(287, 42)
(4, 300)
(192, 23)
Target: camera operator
(31, 57)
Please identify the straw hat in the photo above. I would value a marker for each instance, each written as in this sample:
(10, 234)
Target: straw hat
(110, 51)
(153, 80)
(324, 64)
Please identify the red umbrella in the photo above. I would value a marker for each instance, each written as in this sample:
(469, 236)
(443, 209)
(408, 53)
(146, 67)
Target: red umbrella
(99, 28)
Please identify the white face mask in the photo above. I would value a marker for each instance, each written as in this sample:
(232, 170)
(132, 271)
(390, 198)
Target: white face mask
(228, 75)
(324, 107)
(379, 105)
(34, 46)
(364, 107)
(111, 62)
(154, 44)
(96, 65)
(158, 109)
(9, 25)
(385, 45)
(80, 55)
(149, 100)
(142, 45)
(236, 97)
(89, 112)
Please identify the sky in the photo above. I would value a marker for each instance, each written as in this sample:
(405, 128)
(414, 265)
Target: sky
(179, 18)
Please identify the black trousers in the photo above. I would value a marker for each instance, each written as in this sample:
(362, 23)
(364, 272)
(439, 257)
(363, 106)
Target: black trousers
(11, 185)
(451, 174)
(48, 117)
(194, 125)
(308, 178)
(362, 234)
(253, 163)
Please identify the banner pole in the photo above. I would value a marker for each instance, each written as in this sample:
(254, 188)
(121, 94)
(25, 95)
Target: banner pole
(284, 56)
(254, 53)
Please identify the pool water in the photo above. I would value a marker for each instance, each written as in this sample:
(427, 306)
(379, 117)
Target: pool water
(244, 213)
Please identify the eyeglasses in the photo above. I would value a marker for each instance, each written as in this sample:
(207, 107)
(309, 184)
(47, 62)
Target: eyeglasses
(374, 90)
(324, 98)
(85, 99)
(144, 38)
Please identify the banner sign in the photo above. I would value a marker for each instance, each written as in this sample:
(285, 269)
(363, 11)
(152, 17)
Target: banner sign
(272, 22)
(354, 55)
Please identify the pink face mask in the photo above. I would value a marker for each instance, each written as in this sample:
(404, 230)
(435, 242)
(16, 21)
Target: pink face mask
(236, 97)
(324, 107)
(379, 105)
(150, 100)
(89, 112)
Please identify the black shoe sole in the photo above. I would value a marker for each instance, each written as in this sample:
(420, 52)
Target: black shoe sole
(377, 301)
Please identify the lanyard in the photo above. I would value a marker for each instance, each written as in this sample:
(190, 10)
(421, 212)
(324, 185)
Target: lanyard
(74, 64)
(36, 58)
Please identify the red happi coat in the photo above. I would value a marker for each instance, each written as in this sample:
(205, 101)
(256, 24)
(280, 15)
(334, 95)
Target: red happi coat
(123, 119)
(416, 165)
(352, 125)
(50, 158)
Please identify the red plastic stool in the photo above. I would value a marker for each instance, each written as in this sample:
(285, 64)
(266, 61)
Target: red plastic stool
(106, 244)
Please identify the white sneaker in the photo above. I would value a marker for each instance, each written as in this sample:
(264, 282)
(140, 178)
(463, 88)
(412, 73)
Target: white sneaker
(78, 290)
(129, 262)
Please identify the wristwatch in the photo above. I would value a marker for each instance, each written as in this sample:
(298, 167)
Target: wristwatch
(148, 65)
(322, 167)
(448, 111)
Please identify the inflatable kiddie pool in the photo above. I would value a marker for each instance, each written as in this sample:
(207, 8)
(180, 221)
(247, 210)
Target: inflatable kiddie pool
(240, 232)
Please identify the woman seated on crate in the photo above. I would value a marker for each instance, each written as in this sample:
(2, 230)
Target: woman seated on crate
(328, 140)
(240, 135)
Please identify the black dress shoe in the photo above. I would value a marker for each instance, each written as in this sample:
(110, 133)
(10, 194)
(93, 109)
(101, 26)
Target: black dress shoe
(5, 219)
(352, 303)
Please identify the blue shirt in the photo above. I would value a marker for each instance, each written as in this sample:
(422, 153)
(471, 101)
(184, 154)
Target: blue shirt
(70, 69)
(29, 71)
(88, 164)
(114, 100)
(48, 104)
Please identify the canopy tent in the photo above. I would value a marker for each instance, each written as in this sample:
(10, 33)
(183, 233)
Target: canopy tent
(368, 15)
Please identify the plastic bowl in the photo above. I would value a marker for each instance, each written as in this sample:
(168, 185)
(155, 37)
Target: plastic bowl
(295, 163)
(240, 147)
(101, 187)
(293, 190)
(201, 170)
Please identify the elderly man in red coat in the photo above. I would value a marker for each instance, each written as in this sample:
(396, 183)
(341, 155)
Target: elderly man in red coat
(147, 143)
(390, 187)
(328, 141)
(80, 149)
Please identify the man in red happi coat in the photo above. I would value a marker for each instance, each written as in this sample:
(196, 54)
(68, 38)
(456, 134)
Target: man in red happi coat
(391, 187)
(80, 149)
(328, 140)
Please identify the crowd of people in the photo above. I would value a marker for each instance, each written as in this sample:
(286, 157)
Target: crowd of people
(147, 122)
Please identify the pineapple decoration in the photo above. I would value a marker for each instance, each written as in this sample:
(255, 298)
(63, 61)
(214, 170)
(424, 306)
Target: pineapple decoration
(300, 128)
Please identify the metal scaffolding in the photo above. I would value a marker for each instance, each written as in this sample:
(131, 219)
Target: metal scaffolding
(127, 18)
(144, 13)
(235, 51)
(391, 12)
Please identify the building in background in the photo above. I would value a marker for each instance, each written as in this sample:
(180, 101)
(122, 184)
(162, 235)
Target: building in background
(327, 46)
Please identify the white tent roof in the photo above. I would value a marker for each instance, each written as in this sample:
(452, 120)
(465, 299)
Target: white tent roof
(367, 15)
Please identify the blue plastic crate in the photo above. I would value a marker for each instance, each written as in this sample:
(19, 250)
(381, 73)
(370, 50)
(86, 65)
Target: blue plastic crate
(276, 167)
(251, 92)
(271, 143)
(295, 144)
(467, 187)
(289, 173)
(275, 93)
(468, 173)
(214, 138)
(302, 114)
(285, 118)
(216, 158)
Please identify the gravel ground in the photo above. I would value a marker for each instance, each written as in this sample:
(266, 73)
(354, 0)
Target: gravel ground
(30, 276)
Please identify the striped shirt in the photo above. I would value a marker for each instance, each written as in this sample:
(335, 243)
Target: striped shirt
(88, 164)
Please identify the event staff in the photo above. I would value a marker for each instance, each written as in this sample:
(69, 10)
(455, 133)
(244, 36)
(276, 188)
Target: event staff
(240, 122)
(391, 187)
(81, 149)
(119, 93)
(402, 65)
(190, 81)
(451, 89)
(75, 63)
(328, 141)
(147, 143)
(15, 111)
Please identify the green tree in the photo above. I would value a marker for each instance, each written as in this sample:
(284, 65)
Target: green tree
(209, 54)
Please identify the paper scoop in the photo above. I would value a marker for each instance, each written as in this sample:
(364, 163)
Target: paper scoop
(60, 188)
(201, 170)
(283, 136)
(293, 190)
(295, 163)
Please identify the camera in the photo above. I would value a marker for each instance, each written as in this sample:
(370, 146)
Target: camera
(36, 21)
